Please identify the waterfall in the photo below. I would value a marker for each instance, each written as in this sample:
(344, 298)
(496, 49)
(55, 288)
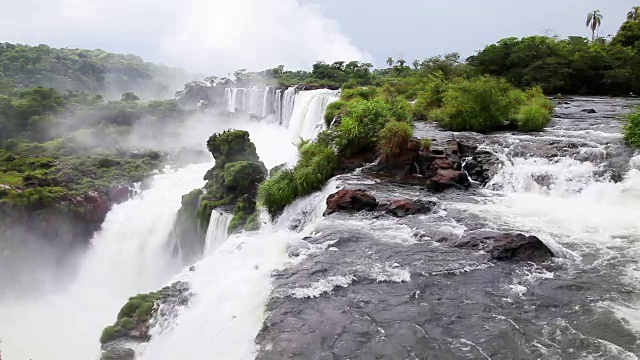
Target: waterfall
(128, 256)
(307, 119)
(231, 288)
(288, 102)
(217, 231)
(262, 102)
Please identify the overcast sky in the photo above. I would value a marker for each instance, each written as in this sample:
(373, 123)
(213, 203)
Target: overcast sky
(216, 36)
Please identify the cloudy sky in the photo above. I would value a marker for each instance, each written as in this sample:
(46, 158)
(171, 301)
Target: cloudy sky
(217, 36)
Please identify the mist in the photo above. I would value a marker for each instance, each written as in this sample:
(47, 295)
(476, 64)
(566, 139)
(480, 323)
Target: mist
(210, 37)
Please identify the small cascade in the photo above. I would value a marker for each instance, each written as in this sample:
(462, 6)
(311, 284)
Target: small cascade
(217, 231)
(307, 119)
(287, 105)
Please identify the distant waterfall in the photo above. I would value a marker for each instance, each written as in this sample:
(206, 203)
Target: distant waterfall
(307, 118)
(217, 231)
(262, 102)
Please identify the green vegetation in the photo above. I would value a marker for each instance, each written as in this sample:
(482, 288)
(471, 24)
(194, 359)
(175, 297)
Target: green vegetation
(532, 118)
(94, 71)
(136, 313)
(631, 129)
(367, 122)
(334, 109)
(232, 183)
(393, 138)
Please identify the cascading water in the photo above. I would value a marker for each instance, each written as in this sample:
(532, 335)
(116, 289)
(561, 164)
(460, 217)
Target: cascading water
(217, 231)
(307, 119)
(262, 102)
(128, 256)
(232, 283)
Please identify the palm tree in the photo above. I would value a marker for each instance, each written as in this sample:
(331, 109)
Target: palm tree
(594, 20)
(390, 61)
(401, 62)
(416, 64)
(634, 14)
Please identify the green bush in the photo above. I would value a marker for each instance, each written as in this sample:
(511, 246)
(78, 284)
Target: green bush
(240, 175)
(126, 323)
(399, 109)
(333, 110)
(479, 104)
(108, 334)
(426, 143)
(532, 118)
(360, 127)
(394, 138)
(316, 164)
(362, 93)
(631, 129)
(278, 191)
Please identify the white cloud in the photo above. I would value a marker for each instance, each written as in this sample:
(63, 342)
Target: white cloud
(211, 36)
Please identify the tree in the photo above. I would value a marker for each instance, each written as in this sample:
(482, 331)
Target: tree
(390, 61)
(401, 62)
(416, 64)
(594, 20)
(634, 14)
(129, 96)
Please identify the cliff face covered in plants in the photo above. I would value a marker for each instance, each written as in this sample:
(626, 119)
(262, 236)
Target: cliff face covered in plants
(232, 186)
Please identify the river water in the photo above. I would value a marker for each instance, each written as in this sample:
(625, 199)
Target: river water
(368, 286)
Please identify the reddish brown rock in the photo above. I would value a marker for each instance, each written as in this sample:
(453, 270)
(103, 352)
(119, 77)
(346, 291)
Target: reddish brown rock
(404, 207)
(444, 179)
(347, 200)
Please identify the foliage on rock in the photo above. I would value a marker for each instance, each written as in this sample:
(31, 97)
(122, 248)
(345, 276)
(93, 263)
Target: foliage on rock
(631, 129)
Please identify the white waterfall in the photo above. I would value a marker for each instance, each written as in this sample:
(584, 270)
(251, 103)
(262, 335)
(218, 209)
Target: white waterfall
(287, 105)
(307, 119)
(262, 102)
(217, 231)
(128, 256)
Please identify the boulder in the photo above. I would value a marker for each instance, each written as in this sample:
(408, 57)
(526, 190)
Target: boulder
(446, 178)
(589, 111)
(508, 246)
(118, 353)
(404, 207)
(347, 200)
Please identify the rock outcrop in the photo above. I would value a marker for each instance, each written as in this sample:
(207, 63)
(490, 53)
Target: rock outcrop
(404, 207)
(232, 187)
(135, 318)
(507, 246)
(437, 167)
(347, 200)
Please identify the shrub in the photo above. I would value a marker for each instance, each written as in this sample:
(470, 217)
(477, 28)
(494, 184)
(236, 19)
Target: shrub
(316, 164)
(108, 334)
(399, 109)
(362, 93)
(532, 118)
(241, 176)
(278, 191)
(333, 110)
(393, 138)
(631, 129)
(480, 104)
(253, 222)
(426, 143)
(359, 129)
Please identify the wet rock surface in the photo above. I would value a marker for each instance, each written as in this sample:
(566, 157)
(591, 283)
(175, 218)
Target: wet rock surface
(465, 280)
(346, 200)
(508, 246)
(405, 207)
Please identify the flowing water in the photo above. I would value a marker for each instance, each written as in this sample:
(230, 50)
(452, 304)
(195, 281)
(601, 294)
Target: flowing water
(370, 286)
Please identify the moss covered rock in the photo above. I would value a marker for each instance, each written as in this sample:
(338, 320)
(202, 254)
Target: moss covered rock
(232, 186)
